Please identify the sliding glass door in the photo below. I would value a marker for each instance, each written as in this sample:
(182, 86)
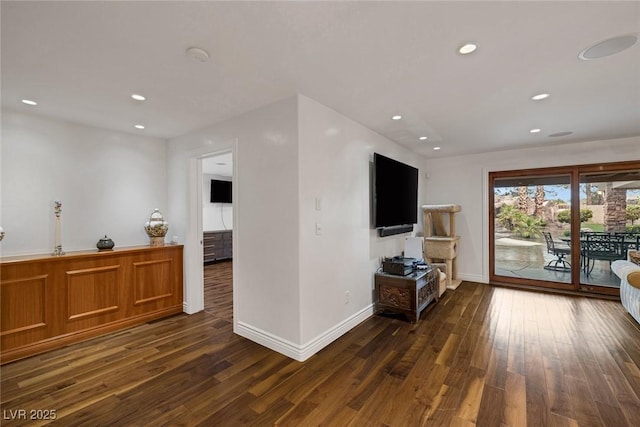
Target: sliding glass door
(563, 227)
(531, 227)
(610, 224)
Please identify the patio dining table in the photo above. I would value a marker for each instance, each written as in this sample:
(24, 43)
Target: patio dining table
(604, 247)
(629, 241)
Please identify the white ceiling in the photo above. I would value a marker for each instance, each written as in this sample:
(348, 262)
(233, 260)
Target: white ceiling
(367, 60)
(219, 165)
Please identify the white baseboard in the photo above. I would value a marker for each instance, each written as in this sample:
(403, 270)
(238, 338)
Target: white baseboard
(321, 341)
(189, 309)
(304, 351)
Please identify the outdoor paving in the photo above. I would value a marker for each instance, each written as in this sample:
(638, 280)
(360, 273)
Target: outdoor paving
(526, 259)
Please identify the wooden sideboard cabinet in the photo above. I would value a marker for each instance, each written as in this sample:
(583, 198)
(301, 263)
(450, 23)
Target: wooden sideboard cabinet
(217, 245)
(48, 302)
(409, 294)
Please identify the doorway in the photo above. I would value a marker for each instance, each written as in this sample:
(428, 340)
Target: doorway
(194, 237)
(217, 235)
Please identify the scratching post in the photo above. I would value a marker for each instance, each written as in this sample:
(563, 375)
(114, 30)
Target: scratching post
(440, 245)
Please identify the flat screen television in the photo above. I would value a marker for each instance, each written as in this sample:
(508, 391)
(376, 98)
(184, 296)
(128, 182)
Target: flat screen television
(395, 192)
(220, 191)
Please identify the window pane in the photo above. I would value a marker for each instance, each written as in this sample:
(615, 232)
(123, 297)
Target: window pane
(609, 223)
(532, 223)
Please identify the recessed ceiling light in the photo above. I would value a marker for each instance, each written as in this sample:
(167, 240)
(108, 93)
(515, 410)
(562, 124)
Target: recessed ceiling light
(436, 148)
(608, 47)
(422, 138)
(467, 48)
(540, 96)
(139, 126)
(535, 130)
(396, 117)
(138, 97)
(29, 102)
(221, 164)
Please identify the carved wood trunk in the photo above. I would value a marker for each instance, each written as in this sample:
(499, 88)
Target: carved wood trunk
(409, 294)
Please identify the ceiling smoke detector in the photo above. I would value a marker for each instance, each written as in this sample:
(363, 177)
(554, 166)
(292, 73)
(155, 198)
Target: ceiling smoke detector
(198, 54)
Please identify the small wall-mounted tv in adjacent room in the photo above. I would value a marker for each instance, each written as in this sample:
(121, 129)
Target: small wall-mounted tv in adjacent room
(395, 195)
(221, 191)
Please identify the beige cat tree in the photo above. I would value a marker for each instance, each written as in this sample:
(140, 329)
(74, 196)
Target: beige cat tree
(440, 245)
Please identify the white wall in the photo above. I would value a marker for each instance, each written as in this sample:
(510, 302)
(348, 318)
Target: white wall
(335, 155)
(215, 216)
(290, 284)
(463, 180)
(266, 212)
(108, 182)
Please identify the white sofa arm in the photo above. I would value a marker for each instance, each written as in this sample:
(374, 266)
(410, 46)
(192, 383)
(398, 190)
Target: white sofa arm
(623, 268)
(629, 274)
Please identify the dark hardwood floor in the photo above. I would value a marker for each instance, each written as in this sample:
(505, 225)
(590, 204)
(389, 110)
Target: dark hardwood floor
(218, 288)
(483, 356)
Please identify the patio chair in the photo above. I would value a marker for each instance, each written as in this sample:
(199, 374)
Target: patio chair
(631, 239)
(602, 247)
(559, 250)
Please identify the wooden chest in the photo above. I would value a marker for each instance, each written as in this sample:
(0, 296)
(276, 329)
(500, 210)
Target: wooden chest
(409, 294)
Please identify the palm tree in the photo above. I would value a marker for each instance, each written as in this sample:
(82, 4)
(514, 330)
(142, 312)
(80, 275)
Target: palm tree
(539, 201)
(523, 199)
(509, 216)
(529, 227)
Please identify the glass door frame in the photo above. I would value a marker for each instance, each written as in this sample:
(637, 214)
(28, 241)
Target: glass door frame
(530, 173)
(574, 173)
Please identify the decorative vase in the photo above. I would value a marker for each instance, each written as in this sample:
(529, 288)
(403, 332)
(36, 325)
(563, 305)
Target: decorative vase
(156, 228)
(105, 244)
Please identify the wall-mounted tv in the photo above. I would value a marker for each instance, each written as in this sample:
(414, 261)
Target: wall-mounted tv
(220, 191)
(395, 193)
